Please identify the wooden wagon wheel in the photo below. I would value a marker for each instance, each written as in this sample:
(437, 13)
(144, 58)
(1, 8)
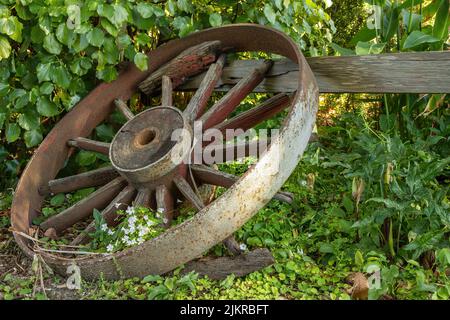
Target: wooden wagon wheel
(148, 164)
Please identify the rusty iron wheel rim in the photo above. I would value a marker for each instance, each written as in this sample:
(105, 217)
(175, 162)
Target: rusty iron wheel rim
(219, 219)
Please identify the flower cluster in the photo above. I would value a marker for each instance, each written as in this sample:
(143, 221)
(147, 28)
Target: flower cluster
(137, 225)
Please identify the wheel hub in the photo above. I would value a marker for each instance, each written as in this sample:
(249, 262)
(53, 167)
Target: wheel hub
(151, 147)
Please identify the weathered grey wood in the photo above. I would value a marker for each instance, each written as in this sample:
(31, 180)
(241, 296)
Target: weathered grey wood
(190, 62)
(166, 94)
(239, 265)
(198, 102)
(83, 209)
(215, 177)
(143, 198)
(87, 179)
(165, 204)
(421, 72)
(122, 106)
(89, 145)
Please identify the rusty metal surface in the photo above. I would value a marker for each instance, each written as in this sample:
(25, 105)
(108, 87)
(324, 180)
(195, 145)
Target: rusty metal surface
(219, 219)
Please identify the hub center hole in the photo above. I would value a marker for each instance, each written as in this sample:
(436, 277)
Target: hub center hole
(145, 137)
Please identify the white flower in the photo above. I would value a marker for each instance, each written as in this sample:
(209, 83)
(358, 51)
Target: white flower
(243, 247)
(132, 220)
(125, 238)
(117, 205)
(150, 223)
(110, 232)
(104, 227)
(300, 251)
(165, 220)
(110, 248)
(130, 210)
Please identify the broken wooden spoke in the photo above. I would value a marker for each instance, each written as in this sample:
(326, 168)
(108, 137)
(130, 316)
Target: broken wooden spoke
(166, 94)
(123, 108)
(215, 177)
(188, 193)
(240, 265)
(222, 153)
(254, 116)
(83, 209)
(143, 198)
(120, 202)
(88, 179)
(198, 102)
(189, 63)
(231, 100)
(165, 204)
(89, 145)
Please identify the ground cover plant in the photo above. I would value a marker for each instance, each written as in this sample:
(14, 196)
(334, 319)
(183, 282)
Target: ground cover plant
(371, 196)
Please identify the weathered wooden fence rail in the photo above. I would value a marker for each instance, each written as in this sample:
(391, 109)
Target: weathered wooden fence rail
(424, 72)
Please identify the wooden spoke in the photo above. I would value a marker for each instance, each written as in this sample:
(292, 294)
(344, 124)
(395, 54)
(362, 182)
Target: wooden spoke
(215, 177)
(165, 204)
(230, 243)
(221, 153)
(187, 192)
(89, 145)
(88, 179)
(143, 198)
(166, 95)
(83, 209)
(190, 62)
(123, 108)
(198, 102)
(120, 202)
(252, 117)
(231, 100)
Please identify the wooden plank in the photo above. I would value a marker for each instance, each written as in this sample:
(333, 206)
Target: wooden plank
(239, 265)
(418, 72)
(190, 62)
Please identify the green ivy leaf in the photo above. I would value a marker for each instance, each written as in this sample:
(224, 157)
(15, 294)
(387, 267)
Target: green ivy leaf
(52, 45)
(12, 27)
(141, 61)
(46, 107)
(65, 35)
(44, 71)
(215, 19)
(29, 120)
(46, 88)
(145, 10)
(417, 38)
(61, 77)
(5, 48)
(58, 200)
(12, 132)
(4, 88)
(270, 13)
(32, 138)
(85, 158)
(95, 37)
(80, 43)
(107, 74)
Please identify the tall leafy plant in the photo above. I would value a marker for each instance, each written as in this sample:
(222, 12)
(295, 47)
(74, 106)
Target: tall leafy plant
(52, 52)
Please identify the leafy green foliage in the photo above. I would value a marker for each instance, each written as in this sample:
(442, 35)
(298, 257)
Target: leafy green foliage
(53, 53)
